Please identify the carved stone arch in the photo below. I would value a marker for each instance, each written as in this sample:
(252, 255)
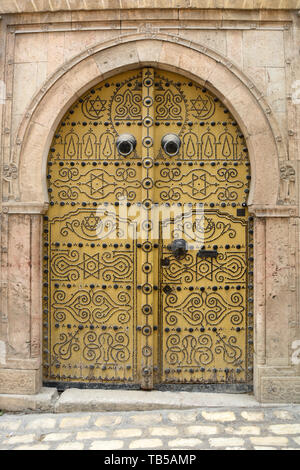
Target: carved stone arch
(201, 64)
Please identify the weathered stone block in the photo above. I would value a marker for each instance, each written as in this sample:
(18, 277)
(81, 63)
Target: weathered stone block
(280, 389)
(20, 381)
(263, 48)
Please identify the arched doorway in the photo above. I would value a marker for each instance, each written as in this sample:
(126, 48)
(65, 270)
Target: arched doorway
(139, 311)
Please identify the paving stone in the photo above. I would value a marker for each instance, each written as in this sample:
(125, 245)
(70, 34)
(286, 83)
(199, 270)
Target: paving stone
(243, 430)
(164, 431)
(127, 433)
(226, 442)
(216, 428)
(285, 428)
(183, 443)
(10, 425)
(146, 419)
(70, 446)
(145, 444)
(74, 422)
(187, 417)
(58, 436)
(83, 435)
(253, 415)
(45, 423)
(220, 416)
(107, 445)
(282, 414)
(203, 430)
(108, 420)
(20, 439)
(269, 441)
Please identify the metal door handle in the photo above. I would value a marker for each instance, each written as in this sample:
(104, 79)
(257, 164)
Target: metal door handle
(178, 248)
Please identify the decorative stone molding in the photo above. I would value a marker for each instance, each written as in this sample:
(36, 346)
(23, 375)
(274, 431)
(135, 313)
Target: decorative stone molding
(24, 208)
(287, 189)
(147, 28)
(273, 211)
(20, 381)
(9, 174)
(19, 6)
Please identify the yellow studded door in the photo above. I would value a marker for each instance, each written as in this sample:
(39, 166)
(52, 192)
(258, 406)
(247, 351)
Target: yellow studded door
(147, 241)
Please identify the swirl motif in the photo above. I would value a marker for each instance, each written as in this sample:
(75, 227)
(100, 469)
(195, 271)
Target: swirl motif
(111, 266)
(98, 307)
(64, 266)
(200, 184)
(226, 267)
(88, 226)
(63, 349)
(189, 350)
(204, 309)
(128, 105)
(97, 184)
(230, 351)
(106, 348)
(189, 309)
(180, 271)
(168, 105)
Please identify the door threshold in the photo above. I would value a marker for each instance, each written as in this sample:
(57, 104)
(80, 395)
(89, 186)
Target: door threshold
(76, 400)
(48, 400)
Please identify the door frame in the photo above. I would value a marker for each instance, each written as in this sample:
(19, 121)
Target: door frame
(269, 201)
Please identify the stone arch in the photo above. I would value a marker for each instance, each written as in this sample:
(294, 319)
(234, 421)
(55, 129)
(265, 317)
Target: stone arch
(168, 52)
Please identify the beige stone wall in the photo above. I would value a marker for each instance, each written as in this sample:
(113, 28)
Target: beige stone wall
(247, 55)
(25, 6)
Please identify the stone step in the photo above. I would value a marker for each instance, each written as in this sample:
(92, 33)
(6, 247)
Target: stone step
(76, 400)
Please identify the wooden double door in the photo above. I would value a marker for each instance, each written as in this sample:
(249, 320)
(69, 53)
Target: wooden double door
(147, 242)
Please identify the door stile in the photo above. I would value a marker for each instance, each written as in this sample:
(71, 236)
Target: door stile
(147, 293)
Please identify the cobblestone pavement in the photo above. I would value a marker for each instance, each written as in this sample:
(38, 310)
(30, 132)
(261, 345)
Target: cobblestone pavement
(235, 428)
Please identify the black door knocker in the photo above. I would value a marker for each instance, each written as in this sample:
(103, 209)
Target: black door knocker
(178, 248)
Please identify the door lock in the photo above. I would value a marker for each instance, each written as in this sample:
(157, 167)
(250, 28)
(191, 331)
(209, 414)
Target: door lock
(178, 248)
(207, 253)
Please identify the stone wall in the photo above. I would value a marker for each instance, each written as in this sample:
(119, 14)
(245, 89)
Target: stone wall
(25, 6)
(248, 55)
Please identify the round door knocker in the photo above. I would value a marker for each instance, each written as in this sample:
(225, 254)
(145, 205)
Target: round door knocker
(171, 144)
(126, 144)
